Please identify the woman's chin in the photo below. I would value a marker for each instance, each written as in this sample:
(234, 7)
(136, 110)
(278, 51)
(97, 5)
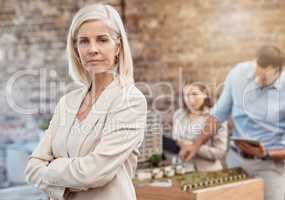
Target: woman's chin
(194, 108)
(99, 70)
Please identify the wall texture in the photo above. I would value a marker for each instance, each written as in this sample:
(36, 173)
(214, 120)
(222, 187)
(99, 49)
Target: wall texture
(188, 40)
(33, 62)
(173, 41)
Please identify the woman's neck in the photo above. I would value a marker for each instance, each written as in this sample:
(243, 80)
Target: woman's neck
(199, 112)
(100, 82)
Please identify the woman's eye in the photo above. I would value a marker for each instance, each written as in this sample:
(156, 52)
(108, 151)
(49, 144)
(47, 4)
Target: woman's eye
(83, 41)
(193, 95)
(103, 40)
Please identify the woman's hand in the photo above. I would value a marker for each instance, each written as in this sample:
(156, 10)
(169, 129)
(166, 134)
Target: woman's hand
(258, 151)
(188, 149)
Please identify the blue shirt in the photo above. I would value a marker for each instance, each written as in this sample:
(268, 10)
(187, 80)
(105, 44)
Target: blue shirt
(257, 113)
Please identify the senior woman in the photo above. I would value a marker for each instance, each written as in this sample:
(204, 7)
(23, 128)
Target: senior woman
(91, 146)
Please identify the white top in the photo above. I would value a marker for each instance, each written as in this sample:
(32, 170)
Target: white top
(212, 152)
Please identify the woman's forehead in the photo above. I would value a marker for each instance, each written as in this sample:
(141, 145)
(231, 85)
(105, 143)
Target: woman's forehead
(189, 88)
(94, 28)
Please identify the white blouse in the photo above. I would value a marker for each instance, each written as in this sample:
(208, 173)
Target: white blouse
(212, 152)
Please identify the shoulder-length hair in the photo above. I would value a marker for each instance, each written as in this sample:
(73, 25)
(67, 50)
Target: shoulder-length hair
(111, 17)
(203, 88)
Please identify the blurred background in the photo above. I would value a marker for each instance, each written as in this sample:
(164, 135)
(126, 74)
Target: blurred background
(172, 41)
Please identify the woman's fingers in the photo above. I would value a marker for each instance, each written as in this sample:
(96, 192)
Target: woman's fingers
(186, 152)
(189, 156)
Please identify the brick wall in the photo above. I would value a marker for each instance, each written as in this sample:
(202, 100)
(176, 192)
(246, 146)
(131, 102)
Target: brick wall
(172, 41)
(33, 62)
(181, 40)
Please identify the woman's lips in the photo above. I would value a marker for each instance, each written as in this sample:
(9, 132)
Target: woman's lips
(94, 61)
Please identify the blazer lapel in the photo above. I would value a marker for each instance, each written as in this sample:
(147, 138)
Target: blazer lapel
(94, 121)
(70, 106)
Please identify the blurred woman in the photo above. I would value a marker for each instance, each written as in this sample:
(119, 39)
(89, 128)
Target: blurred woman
(190, 120)
(91, 146)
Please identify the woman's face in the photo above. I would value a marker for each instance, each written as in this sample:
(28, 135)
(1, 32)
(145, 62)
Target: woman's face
(97, 47)
(194, 98)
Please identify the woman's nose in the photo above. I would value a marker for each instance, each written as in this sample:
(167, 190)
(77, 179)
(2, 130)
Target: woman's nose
(192, 100)
(93, 48)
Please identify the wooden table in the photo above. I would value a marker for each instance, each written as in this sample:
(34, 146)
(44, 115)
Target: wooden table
(251, 189)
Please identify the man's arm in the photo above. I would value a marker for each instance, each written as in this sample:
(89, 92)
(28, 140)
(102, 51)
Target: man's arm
(259, 151)
(278, 154)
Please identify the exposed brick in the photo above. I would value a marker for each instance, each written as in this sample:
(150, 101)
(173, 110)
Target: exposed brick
(172, 41)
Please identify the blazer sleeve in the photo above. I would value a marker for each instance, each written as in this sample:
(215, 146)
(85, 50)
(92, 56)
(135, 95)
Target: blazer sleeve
(216, 148)
(122, 135)
(40, 159)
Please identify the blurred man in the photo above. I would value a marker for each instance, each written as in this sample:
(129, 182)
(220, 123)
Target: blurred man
(254, 95)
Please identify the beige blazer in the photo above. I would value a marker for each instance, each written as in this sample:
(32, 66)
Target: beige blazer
(99, 161)
(210, 154)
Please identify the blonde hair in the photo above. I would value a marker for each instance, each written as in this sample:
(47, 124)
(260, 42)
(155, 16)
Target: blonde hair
(113, 20)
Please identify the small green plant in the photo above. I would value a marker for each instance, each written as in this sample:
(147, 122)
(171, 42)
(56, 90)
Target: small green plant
(155, 160)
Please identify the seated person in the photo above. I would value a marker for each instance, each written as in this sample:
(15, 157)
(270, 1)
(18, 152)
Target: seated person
(190, 120)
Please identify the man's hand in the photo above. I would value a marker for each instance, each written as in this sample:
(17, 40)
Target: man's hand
(258, 151)
(188, 149)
